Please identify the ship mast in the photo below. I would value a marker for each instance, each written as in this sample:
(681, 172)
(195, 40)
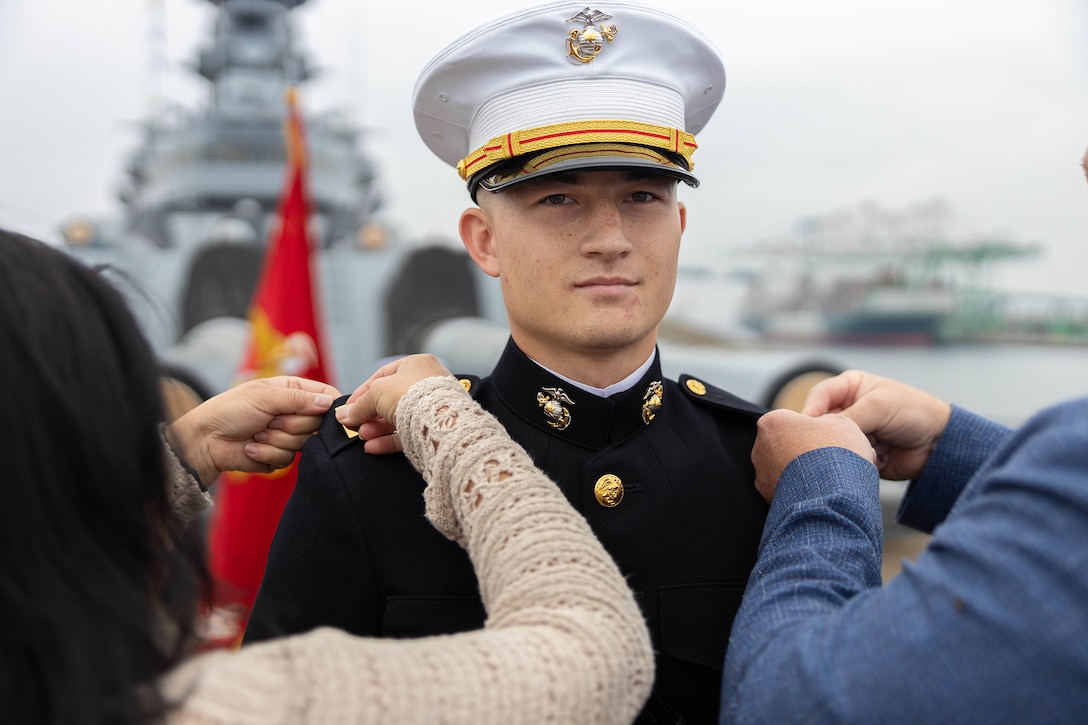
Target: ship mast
(253, 51)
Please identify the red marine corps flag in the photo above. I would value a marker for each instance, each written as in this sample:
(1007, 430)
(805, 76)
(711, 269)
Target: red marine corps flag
(287, 339)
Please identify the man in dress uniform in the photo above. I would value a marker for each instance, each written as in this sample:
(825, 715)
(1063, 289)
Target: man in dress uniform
(572, 127)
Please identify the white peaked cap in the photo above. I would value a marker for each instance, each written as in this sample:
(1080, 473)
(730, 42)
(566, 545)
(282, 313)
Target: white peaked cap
(565, 86)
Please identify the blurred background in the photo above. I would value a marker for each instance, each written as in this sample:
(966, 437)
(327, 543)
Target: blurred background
(828, 105)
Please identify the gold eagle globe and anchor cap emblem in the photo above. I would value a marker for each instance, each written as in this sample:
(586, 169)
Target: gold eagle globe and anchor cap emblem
(584, 45)
(552, 400)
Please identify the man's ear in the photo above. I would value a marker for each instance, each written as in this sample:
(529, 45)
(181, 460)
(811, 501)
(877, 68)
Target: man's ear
(478, 238)
(683, 216)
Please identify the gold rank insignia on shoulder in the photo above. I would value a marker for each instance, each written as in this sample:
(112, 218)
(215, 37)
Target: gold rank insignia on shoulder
(551, 400)
(584, 45)
(651, 401)
(696, 386)
(348, 431)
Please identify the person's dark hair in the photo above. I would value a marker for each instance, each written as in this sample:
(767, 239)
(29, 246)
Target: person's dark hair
(97, 603)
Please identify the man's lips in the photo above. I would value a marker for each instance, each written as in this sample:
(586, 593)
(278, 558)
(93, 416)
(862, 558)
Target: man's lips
(606, 284)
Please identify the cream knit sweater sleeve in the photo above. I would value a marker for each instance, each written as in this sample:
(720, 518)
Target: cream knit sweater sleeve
(564, 640)
(186, 498)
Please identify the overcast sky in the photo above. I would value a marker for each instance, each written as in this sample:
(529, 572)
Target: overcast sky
(828, 104)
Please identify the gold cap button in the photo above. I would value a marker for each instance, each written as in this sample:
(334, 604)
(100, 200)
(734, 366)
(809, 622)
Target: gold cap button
(609, 490)
(696, 387)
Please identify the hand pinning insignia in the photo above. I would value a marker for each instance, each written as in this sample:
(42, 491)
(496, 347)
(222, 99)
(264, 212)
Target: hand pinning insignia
(551, 400)
(348, 431)
(651, 401)
(584, 45)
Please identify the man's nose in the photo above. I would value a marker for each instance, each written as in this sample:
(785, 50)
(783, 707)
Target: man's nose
(605, 234)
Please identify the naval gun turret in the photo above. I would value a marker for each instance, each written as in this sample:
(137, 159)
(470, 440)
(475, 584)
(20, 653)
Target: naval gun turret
(200, 197)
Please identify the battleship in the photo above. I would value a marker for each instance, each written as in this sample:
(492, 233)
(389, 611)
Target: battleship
(199, 199)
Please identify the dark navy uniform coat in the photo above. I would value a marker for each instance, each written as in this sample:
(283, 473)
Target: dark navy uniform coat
(354, 551)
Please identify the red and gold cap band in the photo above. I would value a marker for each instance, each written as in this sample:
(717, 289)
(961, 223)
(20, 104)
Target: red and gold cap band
(582, 156)
(530, 141)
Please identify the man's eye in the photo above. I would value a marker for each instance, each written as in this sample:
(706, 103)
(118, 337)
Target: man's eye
(555, 199)
(643, 196)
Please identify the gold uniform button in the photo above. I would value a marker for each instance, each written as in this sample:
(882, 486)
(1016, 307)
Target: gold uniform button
(466, 384)
(609, 490)
(696, 387)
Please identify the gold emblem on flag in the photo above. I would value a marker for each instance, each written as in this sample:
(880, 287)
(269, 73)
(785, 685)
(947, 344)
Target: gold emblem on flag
(584, 45)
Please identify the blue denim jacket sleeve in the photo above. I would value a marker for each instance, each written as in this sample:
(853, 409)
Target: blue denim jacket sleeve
(988, 626)
(966, 443)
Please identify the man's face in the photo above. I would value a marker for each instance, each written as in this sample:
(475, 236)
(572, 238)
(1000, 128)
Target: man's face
(587, 260)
